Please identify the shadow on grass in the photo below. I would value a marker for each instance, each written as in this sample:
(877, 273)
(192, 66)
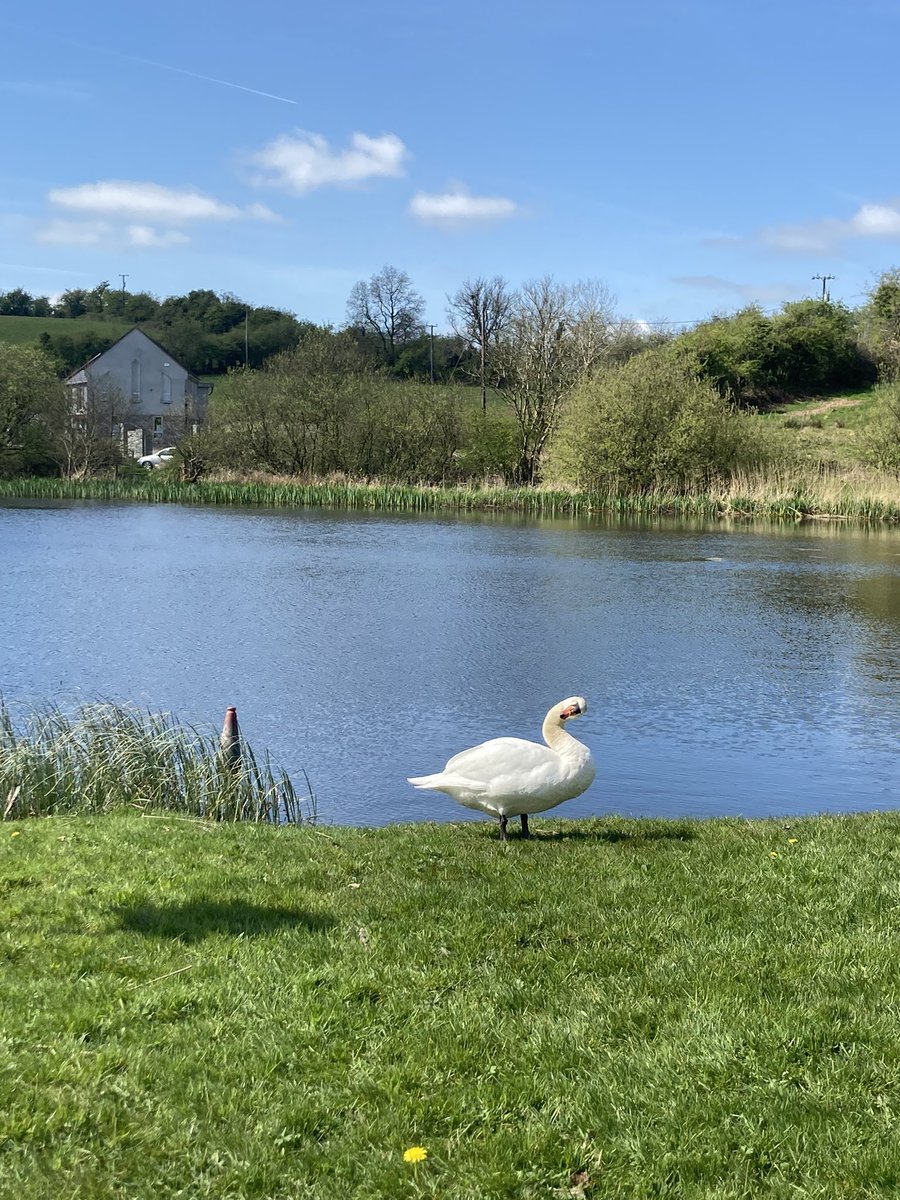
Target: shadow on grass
(197, 919)
(635, 837)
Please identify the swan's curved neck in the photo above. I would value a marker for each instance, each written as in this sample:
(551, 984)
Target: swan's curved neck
(558, 737)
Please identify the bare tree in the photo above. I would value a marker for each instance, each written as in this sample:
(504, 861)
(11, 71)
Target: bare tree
(91, 435)
(556, 334)
(478, 314)
(388, 306)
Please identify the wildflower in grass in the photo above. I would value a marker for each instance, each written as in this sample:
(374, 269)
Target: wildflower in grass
(16, 833)
(415, 1154)
(792, 841)
(773, 854)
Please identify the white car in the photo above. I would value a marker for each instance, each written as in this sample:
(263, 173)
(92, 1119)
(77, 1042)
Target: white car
(158, 458)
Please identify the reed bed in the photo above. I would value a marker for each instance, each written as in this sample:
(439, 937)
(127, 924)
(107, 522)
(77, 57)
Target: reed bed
(859, 496)
(107, 756)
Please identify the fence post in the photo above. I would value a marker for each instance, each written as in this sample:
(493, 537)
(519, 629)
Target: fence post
(230, 741)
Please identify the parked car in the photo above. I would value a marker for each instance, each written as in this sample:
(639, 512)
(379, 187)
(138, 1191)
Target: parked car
(158, 458)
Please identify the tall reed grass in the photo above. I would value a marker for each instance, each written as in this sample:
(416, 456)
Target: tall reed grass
(861, 496)
(107, 756)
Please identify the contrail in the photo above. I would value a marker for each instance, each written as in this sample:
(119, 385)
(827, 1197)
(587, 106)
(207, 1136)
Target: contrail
(149, 62)
(208, 78)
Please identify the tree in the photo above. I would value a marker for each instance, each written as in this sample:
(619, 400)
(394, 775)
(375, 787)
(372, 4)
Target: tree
(555, 335)
(89, 436)
(31, 404)
(651, 422)
(880, 323)
(389, 307)
(17, 303)
(478, 313)
(72, 303)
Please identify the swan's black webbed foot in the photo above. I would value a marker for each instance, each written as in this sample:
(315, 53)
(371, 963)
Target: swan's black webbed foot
(503, 836)
(524, 819)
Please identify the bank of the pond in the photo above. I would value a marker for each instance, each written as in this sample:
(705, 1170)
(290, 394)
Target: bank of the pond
(614, 1008)
(868, 499)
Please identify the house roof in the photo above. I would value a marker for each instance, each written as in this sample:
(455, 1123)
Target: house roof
(134, 329)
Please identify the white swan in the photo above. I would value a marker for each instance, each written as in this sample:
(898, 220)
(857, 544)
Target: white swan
(509, 777)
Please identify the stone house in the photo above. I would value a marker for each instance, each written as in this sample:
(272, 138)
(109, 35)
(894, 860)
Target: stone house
(142, 394)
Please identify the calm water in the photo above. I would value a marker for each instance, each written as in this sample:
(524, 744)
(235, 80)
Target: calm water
(729, 671)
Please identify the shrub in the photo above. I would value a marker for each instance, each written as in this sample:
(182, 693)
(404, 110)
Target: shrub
(881, 439)
(651, 423)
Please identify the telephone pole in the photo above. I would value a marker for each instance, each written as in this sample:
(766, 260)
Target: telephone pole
(123, 278)
(431, 354)
(825, 279)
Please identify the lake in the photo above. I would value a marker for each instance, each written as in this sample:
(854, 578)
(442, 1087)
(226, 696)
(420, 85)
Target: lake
(729, 671)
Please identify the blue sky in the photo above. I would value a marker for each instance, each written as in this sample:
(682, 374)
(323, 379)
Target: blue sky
(693, 155)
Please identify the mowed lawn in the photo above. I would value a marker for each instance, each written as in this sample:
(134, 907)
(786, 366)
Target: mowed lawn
(614, 1008)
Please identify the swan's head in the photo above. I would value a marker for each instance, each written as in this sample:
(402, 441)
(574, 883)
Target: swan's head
(573, 707)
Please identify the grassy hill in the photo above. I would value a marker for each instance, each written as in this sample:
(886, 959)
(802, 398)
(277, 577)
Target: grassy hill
(22, 330)
(617, 1008)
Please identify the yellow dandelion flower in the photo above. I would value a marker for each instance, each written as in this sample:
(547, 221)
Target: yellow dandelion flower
(792, 841)
(773, 854)
(16, 833)
(415, 1154)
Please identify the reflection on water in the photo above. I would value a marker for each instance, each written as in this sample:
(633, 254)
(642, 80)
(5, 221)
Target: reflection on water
(730, 669)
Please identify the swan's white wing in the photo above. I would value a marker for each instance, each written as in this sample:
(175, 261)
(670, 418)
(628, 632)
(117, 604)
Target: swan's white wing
(502, 756)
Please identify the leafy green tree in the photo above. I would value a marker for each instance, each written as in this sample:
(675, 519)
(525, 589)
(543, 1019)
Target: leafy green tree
(880, 323)
(72, 303)
(809, 347)
(32, 405)
(17, 303)
(651, 423)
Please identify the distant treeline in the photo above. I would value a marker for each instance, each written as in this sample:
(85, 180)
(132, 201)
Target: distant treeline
(577, 394)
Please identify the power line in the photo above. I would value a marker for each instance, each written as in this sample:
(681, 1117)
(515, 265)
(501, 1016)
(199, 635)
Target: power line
(825, 279)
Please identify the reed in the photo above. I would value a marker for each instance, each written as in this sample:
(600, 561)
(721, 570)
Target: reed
(106, 756)
(856, 495)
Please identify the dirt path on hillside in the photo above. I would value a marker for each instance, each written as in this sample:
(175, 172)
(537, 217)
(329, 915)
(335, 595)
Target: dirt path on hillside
(828, 405)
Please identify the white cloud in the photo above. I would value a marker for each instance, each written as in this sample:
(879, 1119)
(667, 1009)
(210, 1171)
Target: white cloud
(829, 233)
(116, 213)
(303, 161)
(150, 202)
(74, 233)
(146, 235)
(458, 208)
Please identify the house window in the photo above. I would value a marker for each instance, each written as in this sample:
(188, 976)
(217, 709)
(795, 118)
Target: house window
(157, 424)
(166, 389)
(135, 379)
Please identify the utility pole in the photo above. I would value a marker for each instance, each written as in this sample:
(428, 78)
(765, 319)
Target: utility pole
(431, 354)
(123, 278)
(247, 337)
(825, 279)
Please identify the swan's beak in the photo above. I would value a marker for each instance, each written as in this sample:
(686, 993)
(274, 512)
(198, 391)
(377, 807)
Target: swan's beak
(572, 711)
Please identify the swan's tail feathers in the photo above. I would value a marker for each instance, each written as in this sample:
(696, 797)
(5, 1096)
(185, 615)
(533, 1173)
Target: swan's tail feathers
(443, 781)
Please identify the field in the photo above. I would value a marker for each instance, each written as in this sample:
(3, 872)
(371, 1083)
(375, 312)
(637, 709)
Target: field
(616, 1009)
(23, 330)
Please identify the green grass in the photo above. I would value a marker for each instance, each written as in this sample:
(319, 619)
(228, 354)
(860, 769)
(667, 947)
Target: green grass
(829, 436)
(24, 330)
(615, 1009)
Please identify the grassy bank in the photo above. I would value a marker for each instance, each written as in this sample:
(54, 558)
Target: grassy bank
(617, 1009)
(853, 495)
